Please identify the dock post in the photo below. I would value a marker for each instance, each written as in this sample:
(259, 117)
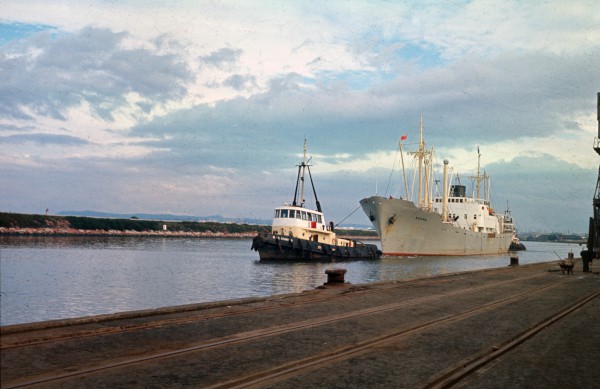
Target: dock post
(514, 261)
(335, 276)
(586, 259)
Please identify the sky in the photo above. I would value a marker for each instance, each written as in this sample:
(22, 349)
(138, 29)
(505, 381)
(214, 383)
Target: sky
(202, 107)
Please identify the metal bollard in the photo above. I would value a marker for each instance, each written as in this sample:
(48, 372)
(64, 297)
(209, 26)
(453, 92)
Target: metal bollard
(514, 261)
(586, 259)
(335, 276)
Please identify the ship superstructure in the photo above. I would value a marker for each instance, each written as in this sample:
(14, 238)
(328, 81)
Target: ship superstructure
(448, 224)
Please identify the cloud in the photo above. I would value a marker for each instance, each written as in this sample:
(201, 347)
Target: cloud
(240, 82)
(222, 58)
(51, 74)
(510, 105)
(213, 101)
(543, 191)
(16, 128)
(43, 139)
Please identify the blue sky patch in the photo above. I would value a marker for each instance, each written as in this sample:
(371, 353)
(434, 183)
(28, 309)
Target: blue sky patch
(418, 53)
(10, 31)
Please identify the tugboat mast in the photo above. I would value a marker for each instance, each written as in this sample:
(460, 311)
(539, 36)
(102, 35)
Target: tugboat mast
(302, 167)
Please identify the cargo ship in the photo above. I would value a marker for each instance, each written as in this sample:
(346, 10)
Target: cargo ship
(450, 223)
(299, 233)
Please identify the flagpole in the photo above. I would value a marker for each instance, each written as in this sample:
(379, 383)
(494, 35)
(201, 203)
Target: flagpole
(404, 170)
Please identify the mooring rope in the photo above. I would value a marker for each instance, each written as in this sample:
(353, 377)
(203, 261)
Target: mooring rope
(392, 172)
(351, 213)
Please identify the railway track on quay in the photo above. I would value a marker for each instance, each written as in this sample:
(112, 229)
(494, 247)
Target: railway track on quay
(101, 325)
(434, 333)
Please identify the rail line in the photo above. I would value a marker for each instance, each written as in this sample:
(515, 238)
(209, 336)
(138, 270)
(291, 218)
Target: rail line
(297, 366)
(467, 367)
(457, 373)
(88, 333)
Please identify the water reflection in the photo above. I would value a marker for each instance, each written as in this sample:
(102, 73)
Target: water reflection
(43, 278)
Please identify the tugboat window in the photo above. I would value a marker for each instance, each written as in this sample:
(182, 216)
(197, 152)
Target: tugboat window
(298, 215)
(284, 213)
(276, 213)
(292, 213)
(319, 219)
(303, 215)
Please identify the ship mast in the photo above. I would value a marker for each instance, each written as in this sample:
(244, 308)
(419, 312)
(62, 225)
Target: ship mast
(300, 180)
(420, 156)
(478, 170)
(303, 167)
(425, 168)
(404, 173)
(479, 177)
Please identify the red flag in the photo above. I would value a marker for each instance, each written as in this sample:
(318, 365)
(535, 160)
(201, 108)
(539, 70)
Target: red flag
(403, 137)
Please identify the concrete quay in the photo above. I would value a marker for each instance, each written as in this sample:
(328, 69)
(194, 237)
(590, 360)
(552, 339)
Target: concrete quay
(518, 327)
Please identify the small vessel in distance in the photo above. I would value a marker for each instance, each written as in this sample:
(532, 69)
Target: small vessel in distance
(300, 233)
(450, 224)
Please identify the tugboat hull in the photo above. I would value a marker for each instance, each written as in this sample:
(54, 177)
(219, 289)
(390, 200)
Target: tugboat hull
(286, 248)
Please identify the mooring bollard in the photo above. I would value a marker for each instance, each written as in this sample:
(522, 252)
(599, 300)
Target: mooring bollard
(335, 276)
(514, 261)
(586, 259)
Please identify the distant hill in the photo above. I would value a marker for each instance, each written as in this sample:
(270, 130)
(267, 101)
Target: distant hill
(163, 217)
(554, 237)
(86, 223)
(171, 217)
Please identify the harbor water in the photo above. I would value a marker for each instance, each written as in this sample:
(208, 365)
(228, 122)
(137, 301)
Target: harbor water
(46, 278)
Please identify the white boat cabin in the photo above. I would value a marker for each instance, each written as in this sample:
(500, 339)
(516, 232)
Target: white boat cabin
(303, 223)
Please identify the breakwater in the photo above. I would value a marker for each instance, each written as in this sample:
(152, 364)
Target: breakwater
(100, 232)
(47, 225)
(25, 224)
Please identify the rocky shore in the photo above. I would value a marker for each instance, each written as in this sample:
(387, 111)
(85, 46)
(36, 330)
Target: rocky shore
(78, 232)
(17, 231)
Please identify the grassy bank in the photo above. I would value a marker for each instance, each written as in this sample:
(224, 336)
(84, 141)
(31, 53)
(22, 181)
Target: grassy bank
(49, 224)
(26, 221)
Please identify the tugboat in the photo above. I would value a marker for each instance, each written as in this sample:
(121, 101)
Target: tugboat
(301, 234)
(515, 244)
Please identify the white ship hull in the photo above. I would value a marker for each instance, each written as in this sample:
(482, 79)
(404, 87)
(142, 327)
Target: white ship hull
(406, 230)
